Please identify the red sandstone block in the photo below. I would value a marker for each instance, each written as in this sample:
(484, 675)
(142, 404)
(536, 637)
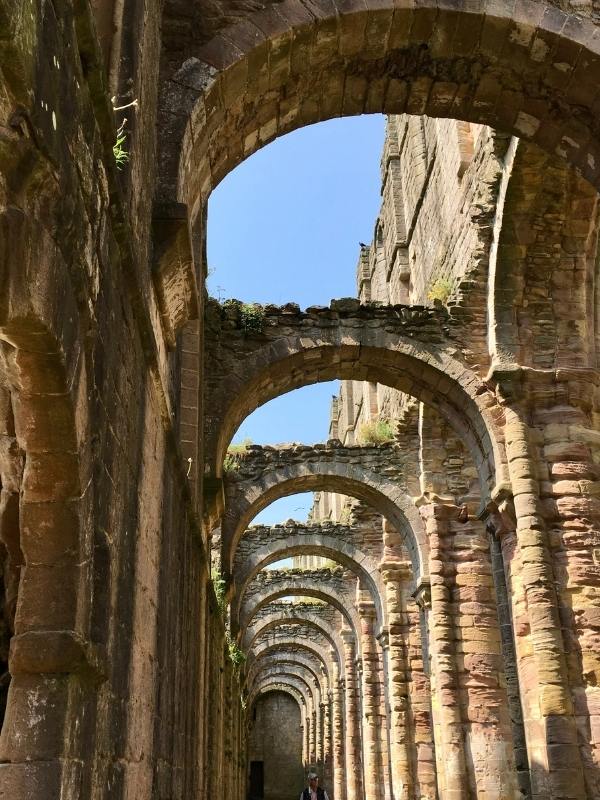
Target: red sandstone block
(378, 28)
(494, 32)
(48, 597)
(220, 53)
(352, 31)
(50, 532)
(301, 15)
(31, 780)
(400, 28)
(33, 729)
(355, 90)
(423, 24)
(44, 422)
(51, 476)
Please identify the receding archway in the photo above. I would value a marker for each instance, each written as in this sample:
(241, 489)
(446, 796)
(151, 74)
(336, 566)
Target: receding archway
(384, 493)
(286, 644)
(263, 626)
(328, 547)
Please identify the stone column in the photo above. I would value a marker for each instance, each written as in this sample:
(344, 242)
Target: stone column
(371, 694)
(550, 723)
(480, 664)
(453, 780)
(394, 573)
(467, 660)
(384, 733)
(338, 735)
(420, 691)
(502, 547)
(327, 740)
(324, 735)
(314, 735)
(320, 732)
(353, 748)
(305, 736)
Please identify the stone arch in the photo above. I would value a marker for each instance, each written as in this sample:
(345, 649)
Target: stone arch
(267, 649)
(40, 523)
(405, 361)
(297, 585)
(543, 201)
(379, 490)
(278, 628)
(277, 686)
(266, 624)
(290, 658)
(42, 502)
(530, 70)
(342, 553)
(311, 689)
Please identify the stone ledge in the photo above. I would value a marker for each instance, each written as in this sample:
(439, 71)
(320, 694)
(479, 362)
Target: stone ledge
(229, 314)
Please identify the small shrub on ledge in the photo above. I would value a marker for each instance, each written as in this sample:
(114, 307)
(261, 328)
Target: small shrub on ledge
(441, 289)
(231, 461)
(375, 431)
(251, 315)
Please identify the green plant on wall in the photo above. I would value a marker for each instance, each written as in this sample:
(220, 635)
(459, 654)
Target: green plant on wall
(345, 515)
(251, 315)
(120, 154)
(219, 585)
(440, 289)
(236, 654)
(231, 461)
(375, 431)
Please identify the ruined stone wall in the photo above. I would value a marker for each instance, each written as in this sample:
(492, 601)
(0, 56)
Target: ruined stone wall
(432, 240)
(439, 178)
(121, 682)
(275, 738)
(96, 516)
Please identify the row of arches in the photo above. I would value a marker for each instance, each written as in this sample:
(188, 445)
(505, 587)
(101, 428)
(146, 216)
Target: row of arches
(447, 582)
(362, 617)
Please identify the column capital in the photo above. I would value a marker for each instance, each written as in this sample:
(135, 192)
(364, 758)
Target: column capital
(499, 515)
(348, 636)
(366, 609)
(422, 594)
(431, 498)
(383, 637)
(506, 380)
(395, 570)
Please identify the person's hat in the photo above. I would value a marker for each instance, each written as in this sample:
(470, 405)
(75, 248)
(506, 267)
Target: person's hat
(312, 776)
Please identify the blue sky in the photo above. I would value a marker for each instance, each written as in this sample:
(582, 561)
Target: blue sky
(284, 226)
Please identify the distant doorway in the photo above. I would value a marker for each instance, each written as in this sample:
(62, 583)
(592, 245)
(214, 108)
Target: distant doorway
(257, 780)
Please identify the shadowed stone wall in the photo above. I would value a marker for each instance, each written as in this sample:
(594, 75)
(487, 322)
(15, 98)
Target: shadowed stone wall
(124, 681)
(275, 738)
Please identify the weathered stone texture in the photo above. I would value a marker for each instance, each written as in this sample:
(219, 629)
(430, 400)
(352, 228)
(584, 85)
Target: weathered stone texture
(450, 649)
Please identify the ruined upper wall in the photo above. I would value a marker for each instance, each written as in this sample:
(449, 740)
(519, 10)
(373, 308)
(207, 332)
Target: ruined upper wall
(439, 186)
(432, 239)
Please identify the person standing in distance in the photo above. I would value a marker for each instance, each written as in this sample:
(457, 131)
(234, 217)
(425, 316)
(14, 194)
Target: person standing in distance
(313, 791)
